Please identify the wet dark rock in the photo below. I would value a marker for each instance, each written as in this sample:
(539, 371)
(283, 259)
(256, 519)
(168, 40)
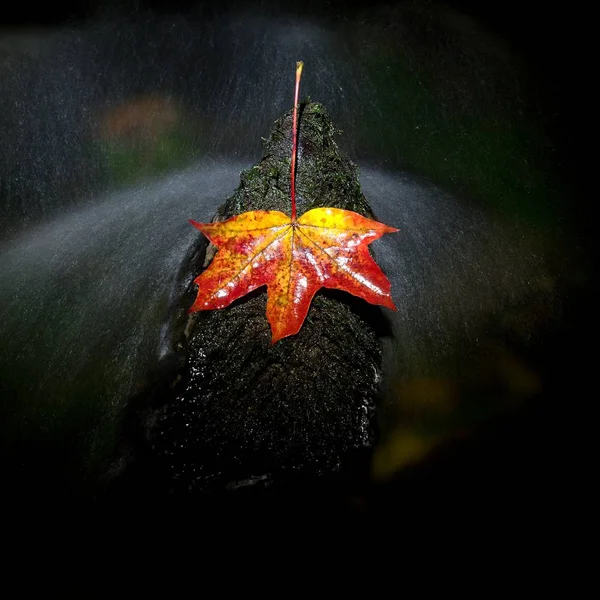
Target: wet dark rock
(245, 413)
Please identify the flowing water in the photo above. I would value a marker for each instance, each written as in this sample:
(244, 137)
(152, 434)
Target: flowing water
(85, 298)
(125, 129)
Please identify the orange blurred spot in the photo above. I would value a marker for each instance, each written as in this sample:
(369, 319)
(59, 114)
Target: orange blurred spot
(140, 119)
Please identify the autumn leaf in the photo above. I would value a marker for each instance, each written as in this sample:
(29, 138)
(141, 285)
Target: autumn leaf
(325, 247)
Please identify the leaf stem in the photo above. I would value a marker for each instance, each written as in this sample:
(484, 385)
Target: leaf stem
(299, 66)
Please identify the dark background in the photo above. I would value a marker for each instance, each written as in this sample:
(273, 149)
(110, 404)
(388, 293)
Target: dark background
(553, 41)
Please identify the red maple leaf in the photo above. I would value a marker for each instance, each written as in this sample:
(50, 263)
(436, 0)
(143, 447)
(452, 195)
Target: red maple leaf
(293, 257)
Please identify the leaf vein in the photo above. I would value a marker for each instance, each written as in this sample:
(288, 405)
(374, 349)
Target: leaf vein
(245, 266)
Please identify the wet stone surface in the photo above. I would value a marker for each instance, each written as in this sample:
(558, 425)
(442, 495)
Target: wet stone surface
(242, 412)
